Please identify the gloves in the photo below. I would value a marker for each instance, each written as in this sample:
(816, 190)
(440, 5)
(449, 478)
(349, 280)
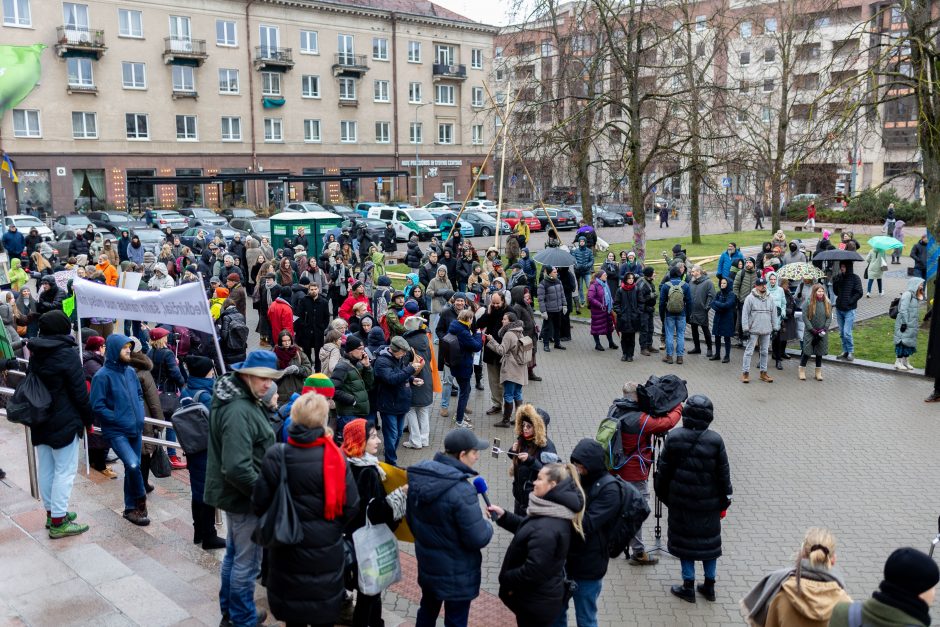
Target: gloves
(291, 369)
(903, 328)
(564, 311)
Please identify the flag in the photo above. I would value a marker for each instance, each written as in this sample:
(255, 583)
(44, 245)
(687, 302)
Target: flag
(19, 73)
(6, 165)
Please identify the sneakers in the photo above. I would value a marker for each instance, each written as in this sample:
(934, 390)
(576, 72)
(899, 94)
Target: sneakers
(66, 529)
(69, 517)
(176, 463)
(466, 424)
(408, 444)
(850, 356)
(109, 473)
(643, 559)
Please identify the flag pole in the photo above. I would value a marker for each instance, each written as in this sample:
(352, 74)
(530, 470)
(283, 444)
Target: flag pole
(215, 335)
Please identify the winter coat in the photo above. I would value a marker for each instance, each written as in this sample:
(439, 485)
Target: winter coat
(813, 344)
(439, 290)
(393, 383)
(305, 580)
(874, 259)
(876, 613)
(744, 283)
(664, 298)
(725, 262)
(78, 246)
(329, 357)
(792, 257)
(421, 395)
(239, 435)
(413, 255)
(646, 296)
(509, 349)
(464, 269)
(523, 312)
(17, 276)
(230, 316)
(14, 243)
(9, 324)
(109, 271)
(703, 293)
(908, 309)
(919, 255)
(445, 517)
(528, 266)
(694, 481)
(531, 578)
(313, 317)
(352, 383)
(345, 310)
(848, 290)
(116, 395)
(588, 557)
(636, 433)
(541, 450)
(551, 295)
(54, 359)
(427, 272)
(470, 343)
(281, 317)
(491, 323)
(135, 254)
(583, 260)
(628, 309)
(810, 605)
(166, 370)
(759, 314)
(142, 367)
(290, 383)
(601, 321)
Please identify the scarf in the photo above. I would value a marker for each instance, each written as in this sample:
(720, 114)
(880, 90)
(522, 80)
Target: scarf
(627, 286)
(899, 598)
(334, 475)
(285, 355)
(756, 604)
(287, 274)
(541, 507)
(608, 299)
(368, 459)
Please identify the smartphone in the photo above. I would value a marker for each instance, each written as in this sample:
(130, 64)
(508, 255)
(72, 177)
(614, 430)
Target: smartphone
(495, 451)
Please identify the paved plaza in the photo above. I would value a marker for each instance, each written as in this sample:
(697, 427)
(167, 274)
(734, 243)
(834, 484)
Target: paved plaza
(855, 453)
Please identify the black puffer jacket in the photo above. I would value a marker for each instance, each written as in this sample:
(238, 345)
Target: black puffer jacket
(531, 579)
(587, 558)
(694, 481)
(54, 359)
(413, 255)
(305, 580)
(627, 309)
(523, 312)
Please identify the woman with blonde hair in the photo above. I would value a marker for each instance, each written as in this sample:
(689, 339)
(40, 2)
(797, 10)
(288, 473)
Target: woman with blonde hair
(803, 595)
(817, 319)
(531, 579)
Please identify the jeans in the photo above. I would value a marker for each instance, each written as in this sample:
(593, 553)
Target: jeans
(456, 613)
(585, 604)
(636, 542)
(583, 284)
(240, 568)
(57, 467)
(764, 346)
(170, 437)
(418, 420)
(727, 346)
(462, 399)
(512, 392)
(880, 288)
(918, 272)
(392, 427)
(128, 449)
(846, 321)
(675, 335)
(447, 383)
(688, 569)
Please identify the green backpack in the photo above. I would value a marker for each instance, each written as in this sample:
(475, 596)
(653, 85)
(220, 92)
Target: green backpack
(675, 299)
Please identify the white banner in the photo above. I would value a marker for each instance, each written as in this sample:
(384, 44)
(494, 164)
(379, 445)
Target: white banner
(184, 306)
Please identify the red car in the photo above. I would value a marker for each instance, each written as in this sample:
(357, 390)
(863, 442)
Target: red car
(512, 217)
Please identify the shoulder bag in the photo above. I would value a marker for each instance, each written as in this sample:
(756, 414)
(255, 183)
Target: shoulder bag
(279, 525)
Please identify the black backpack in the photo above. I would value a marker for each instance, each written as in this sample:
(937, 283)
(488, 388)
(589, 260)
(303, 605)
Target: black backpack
(894, 308)
(235, 332)
(31, 403)
(630, 517)
(450, 349)
(191, 423)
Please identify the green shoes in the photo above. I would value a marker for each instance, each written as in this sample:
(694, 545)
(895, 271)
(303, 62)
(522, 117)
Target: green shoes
(67, 528)
(69, 516)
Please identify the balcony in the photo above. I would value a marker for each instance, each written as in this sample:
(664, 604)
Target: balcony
(184, 93)
(82, 88)
(184, 51)
(349, 102)
(349, 65)
(77, 41)
(456, 72)
(273, 59)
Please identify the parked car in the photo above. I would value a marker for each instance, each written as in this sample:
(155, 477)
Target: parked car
(407, 222)
(63, 239)
(564, 219)
(603, 217)
(483, 223)
(374, 226)
(625, 211)
(304, 207)
(203, 216)
(441, 216)
(114, 221)
(189, 235)
(25, 223)
(70, 222)
(513, 216)
(152, 239)
(340, 210)
(238, 212)
(452, 205)
(162, 218)
(480, 204)
(258, 227)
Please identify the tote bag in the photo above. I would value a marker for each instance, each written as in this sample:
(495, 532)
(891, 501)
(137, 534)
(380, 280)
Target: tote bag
(280, 525)
(377, 557)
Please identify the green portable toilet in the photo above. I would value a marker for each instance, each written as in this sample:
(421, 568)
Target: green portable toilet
(316, 224)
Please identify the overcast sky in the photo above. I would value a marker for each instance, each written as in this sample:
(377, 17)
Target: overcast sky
(493, 12)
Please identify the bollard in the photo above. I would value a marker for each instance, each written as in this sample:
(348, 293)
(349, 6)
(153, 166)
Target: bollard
(31, 463)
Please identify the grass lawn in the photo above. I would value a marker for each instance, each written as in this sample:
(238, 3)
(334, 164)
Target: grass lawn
(874, 341)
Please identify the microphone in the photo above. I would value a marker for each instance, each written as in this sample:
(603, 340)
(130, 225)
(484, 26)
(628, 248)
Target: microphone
(480, 484)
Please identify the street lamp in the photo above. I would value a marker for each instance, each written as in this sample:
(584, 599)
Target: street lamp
(419, 183)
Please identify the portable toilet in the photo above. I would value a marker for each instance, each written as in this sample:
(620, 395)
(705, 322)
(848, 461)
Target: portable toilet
(315, 223)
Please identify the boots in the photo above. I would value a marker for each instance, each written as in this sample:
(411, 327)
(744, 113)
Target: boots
(610, 342)
(707, 589)
(766, 378)
(779, 364)
(197, 521)
(745, 377)
(802, 375)
(533, 376)
(907, 364)
(899, 364)
(819, 374)
(597, 343)
(138, 515)
(478, 373)
(686, 591)
(506, 422)
(210, 538)
(716, 356)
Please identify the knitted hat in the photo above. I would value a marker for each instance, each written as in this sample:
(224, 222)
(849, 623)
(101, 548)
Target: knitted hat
(221, 292)
(354, 437)
(352, 343)
(198, 366)
(910, 571)
(233, 277)
(215, 280)
(412, 307)
(384, 281)
(319, 383)
(94, 343)
(54, 323)
(631, 254)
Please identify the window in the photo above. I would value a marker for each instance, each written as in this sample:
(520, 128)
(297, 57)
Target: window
(138, 126)
(347, 89)
(445, 95)
(745, 29)
(498, 52)
(75, 16)
(700, 23)
(180, 30)
(700, 50)
(380, 91)
(894, 169)
(414, 93)
(186, 128)
(26, 123)
(744, 57)
(445, 55)
(231, 129)
(80, 74)
(130, 23)
(16, 13)
(765, 115)
(476, 58)
(134, 75)
(768, 84)
(347, 131)
(823, 22)
(769, 55)
(273, 130)
(225, 33)
(897, 17)
(309, 42)
(414, 52)
(414, 133)
(742, 115)
(445, 133)
(382, 133)
(270, 83)
(310, 86)
(312, 131)
(380, 49)
(770, 25)
(476, 97)
(84, 125)
(183, 78)
(547, 48)
(344, 46)
(476, 134)
(228, 81)
(500, 74)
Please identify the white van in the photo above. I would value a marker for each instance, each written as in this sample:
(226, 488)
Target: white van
(407, 221)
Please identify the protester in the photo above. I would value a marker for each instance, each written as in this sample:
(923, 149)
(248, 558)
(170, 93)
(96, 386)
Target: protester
(513, 364)
(727, 258)
(743, 283)
(280, 314)
(703, 292)
(92, 362)
(313, 316)
(629, 314)
(675, 307)
(875, 266)
(418, 418)
(533, 450)
(330, 351)
(490, 321)
(907, 324)
(601, 303)
(919, 255)
(143, 369)
(551, 297)
(818, 318)
(848, 290)
(233, 335)
(583, 267)
(395, 369)
(461, 365)
(646, 297)
(293, 362)
(758, 319)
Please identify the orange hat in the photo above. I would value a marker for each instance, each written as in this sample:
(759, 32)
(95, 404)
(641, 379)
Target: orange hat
(221, 292)
(354, 438)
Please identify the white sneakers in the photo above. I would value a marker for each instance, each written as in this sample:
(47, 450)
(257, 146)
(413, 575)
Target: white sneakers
(902, 363)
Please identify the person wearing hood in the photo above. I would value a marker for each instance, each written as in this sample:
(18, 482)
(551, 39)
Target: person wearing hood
(551, 297)
(14, 343)
(729, 256)
(450, 262)
(628, 313)
(793, 254)
(513, 363)
(847, 287)
(532, 576)
(313, 316)
(583, 268)
(413, 254)
(779, 239)
(439, 290)
(588, 558)
(117, 400)
(758, 320)
(444, 514)
(280, 315)
(903, 597)
(803, 595)
(693, 480)
(395, 372)
(779, 295)
(26, 314)
(422, 396)
(875, 265)
(161, 279)
(743, 284)
(16, 276)
(389, 239)
(478, 282)
(521, 299)
(49, 296)
(33, 241)
(703, 293)
(907, 324)
(78, 245)
(898, 234)
(601, 304)
(533, 450)
(123, 242)
(512, 249)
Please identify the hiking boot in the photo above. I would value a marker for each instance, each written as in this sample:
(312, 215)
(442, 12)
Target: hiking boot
(444, 412)
(479, 384)
(695, 351)
(176, 463)
(562, 348)
(643, 559)
(707, 589)
(715, 357)
(679, 359)
(745, 377)
(598, 347)
(766, 378)
(645, 352)
(841, 357)
(138, 515)
(653, 349)
(66, 529)
(667, 359)
(109, 472)
(686, 591)
(779, 365)
(492, 411)
(69, 517)
(726, 360)
(534, 377)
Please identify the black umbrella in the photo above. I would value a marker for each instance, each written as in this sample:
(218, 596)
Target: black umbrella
(837, 255)
(556, 257)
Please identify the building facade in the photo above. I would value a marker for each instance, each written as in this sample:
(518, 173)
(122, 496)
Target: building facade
(173, 88)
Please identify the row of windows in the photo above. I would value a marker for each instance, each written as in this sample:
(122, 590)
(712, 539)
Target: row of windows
(26, 124)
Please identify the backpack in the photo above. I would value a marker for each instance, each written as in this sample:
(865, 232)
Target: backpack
(632, 512)
(608, 434)
(449, 349)
(523, 352)
(235, 332)
(894, 308)
(191, 423)
(675, 299)
(380, 300)
(31, 403)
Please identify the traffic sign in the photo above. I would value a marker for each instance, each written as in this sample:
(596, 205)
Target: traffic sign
(726, 182)
(379, 180)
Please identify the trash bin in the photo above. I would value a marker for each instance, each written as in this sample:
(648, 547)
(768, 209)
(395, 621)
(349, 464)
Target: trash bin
(316, 224)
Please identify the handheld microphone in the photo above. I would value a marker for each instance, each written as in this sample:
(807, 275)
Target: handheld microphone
(480, 484)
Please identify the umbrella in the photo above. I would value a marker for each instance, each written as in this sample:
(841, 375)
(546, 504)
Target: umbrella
(799, 271)
(883, 242)
(554, 257)
(837, 255)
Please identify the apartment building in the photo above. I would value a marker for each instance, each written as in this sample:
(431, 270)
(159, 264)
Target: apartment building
(173, 88)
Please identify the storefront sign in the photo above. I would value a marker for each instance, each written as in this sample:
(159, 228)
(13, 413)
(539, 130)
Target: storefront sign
(441, 163)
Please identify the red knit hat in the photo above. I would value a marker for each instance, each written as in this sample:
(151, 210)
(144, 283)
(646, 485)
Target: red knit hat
(354, 438)
(95, 342)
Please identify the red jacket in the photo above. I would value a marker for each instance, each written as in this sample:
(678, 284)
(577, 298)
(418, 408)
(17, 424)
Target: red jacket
(281, 317)
(638, 463)
(811, 212)
(345, 310)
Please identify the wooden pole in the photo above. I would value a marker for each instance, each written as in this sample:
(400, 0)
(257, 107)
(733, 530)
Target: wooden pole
(502, 173)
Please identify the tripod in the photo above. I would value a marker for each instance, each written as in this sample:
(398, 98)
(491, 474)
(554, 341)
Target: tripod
(658, 442)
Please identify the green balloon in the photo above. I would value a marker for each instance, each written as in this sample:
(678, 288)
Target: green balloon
(19, 73)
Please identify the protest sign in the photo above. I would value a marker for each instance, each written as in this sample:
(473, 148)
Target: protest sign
(184, 306)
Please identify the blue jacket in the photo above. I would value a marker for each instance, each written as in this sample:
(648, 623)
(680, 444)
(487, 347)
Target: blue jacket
(14, 243)
(136, 254)
(196, 385)
(726, 261)
(527, 265)
(445, 517)
(166, 371)
(584, 260)
(116, 398)
(664, 296)
(725, 305)
(469, 344)
(392, 383)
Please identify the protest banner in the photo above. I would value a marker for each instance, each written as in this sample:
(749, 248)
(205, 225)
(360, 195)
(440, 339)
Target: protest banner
(184, 306)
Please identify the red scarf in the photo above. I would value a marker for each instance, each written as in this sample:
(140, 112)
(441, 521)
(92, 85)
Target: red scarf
(285, 355)
(627, 286)
(334, 475)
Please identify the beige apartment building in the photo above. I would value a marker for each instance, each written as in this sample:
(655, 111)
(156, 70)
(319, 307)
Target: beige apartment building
(183, 88)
